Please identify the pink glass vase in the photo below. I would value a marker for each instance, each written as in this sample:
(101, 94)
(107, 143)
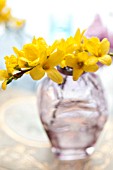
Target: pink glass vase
(73, 114)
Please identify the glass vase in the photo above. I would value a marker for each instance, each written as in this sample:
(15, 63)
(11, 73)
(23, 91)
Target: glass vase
(73, 114)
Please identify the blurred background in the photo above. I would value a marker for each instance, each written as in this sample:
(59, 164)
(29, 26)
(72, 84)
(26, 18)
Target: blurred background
(50, 19)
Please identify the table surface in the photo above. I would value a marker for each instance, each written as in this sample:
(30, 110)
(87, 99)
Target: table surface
(25, 146)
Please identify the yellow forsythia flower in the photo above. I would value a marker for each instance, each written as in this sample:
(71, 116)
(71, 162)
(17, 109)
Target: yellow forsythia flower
(99, 49)
(81, 63)
(77, 53)
(11, 62)
(49, 58)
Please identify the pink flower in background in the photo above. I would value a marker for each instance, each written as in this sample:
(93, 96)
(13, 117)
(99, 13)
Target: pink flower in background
(97, 28)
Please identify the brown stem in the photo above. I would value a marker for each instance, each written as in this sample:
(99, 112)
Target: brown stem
(111, 54)
(20, 74)
(17, 75)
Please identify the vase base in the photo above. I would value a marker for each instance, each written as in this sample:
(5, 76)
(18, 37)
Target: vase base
(72, 154)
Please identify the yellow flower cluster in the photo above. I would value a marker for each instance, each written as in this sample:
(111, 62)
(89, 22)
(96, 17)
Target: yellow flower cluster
(78, 53)
(6, 16)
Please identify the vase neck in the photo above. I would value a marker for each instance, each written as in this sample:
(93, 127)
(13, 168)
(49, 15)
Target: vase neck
(66, 70)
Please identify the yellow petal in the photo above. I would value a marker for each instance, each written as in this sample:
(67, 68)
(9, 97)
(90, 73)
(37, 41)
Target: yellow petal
(63, 64)
(22, 64)
(82, 56)
(55, 59)
(70, 60)
(54, 75)
(83, 32)
(91, 68)
(77, 35)
(40, 42)
(4, 85)
(61, 46)
(91, 60)
(104, 46)
(77, 73)
(24, 59)
(19, 53)
(3, 75)
(92, 45)
(31, 52)
(95, 40)
(106, 59)
(53, 46)
(37, 73)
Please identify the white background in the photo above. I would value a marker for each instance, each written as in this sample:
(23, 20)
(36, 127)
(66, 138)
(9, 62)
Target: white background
(37, 13)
